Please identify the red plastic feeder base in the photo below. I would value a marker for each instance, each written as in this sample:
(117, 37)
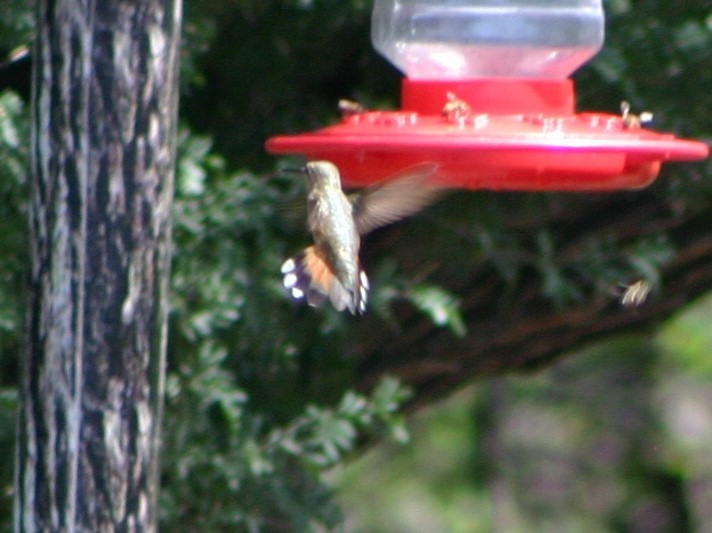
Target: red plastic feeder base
(494, 134)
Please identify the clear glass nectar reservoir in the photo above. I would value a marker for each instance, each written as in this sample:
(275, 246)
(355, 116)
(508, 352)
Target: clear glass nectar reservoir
(466, 39)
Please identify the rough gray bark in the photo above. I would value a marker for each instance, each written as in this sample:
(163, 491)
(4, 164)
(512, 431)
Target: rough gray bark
(104, 115)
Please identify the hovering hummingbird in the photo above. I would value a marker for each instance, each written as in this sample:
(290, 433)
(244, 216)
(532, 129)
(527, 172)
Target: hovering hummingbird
(330, 268)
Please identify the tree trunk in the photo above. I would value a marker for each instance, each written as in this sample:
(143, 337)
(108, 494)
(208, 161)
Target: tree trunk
(104, 116)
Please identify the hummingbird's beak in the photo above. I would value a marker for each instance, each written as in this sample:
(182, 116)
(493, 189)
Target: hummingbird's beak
(293, 170)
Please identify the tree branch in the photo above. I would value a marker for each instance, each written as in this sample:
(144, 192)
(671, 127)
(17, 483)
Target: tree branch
(516, 328)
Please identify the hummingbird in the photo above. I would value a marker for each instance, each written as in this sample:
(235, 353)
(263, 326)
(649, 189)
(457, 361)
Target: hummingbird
(330, 268)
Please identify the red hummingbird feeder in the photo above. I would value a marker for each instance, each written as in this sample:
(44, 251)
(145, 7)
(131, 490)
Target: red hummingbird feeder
(488, 99)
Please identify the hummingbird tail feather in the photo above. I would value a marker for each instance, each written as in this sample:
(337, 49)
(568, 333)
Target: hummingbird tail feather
(307, 275)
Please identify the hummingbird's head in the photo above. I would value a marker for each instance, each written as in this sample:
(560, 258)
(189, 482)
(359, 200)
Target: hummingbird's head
(322, 174)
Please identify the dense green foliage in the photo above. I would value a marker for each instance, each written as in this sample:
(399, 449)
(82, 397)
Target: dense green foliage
(13, 174)
(259, 395)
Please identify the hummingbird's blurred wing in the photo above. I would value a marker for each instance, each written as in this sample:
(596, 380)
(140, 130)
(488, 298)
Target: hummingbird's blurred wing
(400, 196)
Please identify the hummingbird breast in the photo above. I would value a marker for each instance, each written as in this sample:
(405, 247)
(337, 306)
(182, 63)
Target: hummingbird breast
(332, 225)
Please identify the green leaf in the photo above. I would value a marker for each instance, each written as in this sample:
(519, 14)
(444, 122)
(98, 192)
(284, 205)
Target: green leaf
(441, 306)
(389, 395)
(331, 435)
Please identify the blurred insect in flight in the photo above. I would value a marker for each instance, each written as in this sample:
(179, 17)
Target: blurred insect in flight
(636, 294)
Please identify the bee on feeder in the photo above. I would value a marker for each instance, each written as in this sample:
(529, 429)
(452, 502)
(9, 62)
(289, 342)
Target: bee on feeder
(631, 121)
(455, 108)
(348, 108)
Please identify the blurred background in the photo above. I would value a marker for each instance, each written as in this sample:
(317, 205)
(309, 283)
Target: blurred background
(614, 438)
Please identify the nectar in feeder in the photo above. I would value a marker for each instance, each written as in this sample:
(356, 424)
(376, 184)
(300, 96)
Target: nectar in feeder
(456, 39)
